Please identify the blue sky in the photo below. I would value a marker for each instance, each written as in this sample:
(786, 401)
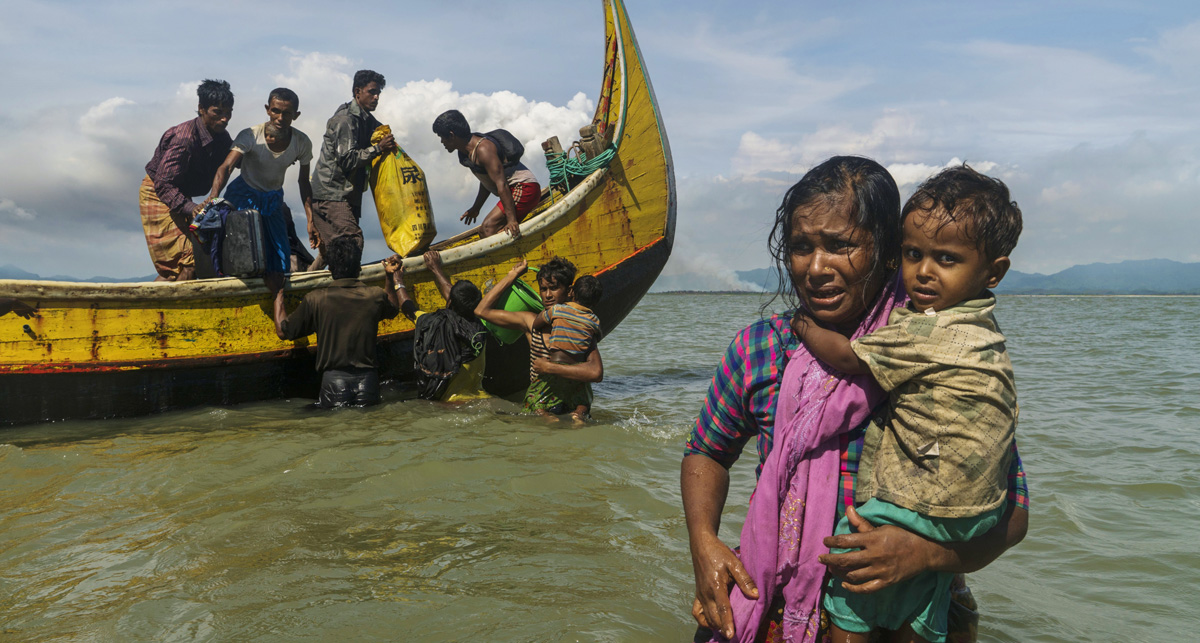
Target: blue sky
(1086, 109)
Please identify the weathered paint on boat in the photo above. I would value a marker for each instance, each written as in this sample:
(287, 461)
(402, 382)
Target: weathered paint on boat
(101, 350)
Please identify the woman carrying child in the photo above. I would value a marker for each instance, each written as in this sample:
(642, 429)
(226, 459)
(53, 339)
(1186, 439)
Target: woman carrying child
(837, 237)
(555, 387)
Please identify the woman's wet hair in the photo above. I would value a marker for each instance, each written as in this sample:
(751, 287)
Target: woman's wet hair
(874, 209)
(464, 297)
(214, 93)
(557, 272)
(343, 256)
(960, 194)
(452, 123)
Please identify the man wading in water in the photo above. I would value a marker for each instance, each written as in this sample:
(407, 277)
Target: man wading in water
(345, 315)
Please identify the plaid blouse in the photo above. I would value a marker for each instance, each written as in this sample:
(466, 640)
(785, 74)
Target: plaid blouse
(741, 404)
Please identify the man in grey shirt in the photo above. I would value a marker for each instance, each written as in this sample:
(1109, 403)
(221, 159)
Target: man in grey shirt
(340, 176)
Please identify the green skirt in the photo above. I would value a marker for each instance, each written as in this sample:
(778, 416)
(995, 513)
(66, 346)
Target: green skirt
(557, 395)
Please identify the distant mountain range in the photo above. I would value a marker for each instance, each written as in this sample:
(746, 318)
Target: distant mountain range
(10, 271)
(1141, 277)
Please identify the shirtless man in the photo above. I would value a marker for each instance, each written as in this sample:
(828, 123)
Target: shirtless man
(506, 178)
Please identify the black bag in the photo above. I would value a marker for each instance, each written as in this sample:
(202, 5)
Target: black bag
(442, 342)
(243, 249)
(509, 147)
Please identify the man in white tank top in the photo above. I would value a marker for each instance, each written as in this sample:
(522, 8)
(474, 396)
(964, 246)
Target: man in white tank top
(506, 178)
(264, 153)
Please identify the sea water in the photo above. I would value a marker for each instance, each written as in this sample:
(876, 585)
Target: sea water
(420, 521)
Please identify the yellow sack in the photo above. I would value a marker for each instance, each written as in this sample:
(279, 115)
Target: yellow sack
(402, 200)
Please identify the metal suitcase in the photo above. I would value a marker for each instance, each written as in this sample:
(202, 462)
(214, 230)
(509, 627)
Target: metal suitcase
(243, 249)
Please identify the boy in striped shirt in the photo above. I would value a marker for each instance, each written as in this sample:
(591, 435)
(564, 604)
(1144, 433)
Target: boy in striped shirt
(574, 328)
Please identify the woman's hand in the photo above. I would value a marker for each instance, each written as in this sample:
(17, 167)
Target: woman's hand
(717, 569)
(886, 555)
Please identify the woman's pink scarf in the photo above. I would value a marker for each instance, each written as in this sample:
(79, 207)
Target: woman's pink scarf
(795, 502)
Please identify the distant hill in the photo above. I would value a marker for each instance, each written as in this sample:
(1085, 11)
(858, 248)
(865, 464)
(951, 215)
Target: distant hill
(1140, 277)
(1143, 277)
(10, 271)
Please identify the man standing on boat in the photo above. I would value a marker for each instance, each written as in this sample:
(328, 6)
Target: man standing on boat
(265, 152)
(183, 166)
(345, 315)
(495, 159)
(340, 176)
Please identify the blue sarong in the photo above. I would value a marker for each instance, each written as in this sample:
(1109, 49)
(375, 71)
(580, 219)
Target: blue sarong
(270, 206)
(209, 226)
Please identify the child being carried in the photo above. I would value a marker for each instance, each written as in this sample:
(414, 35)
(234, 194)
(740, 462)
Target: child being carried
(574, 328)
(938, 465)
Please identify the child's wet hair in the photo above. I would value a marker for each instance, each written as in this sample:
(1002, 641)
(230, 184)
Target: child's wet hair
(557, 272)
(464, 297)
(962, 195)
(587, 291)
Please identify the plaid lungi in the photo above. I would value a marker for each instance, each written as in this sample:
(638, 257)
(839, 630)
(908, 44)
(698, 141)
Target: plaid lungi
(170, 249)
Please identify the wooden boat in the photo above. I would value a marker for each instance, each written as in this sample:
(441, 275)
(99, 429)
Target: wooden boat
(107, 350)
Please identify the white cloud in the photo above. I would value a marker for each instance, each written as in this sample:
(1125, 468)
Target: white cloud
(763, 158)
(890, 135)
(411, 109)
(756, 154)
(1177, 48)
(9, 208)
(1061, 192)
(97, 121)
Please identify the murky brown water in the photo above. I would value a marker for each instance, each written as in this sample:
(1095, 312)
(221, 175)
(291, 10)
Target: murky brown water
(415, 521)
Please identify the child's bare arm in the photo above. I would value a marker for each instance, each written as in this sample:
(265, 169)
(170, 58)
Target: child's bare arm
(829, 346)
(542, 321)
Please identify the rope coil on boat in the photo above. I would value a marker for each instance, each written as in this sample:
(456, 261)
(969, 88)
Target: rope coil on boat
(562, 166)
